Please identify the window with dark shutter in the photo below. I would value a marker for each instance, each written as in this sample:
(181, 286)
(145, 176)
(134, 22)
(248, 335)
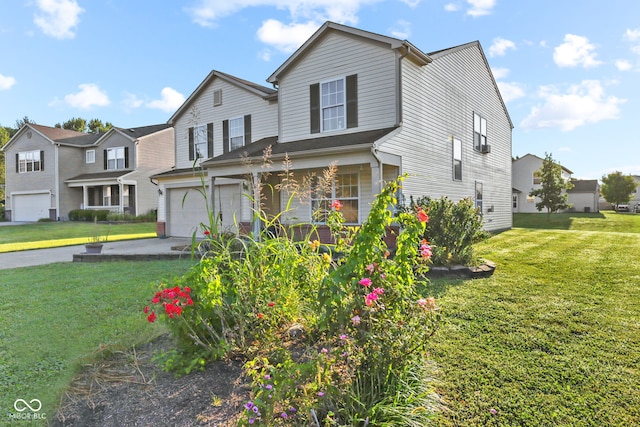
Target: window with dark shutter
(314, 97)
(352, 101)
(126, 157)
(105, 159)
(225, 136)
(42, 160)
(247, 129)
(191, 148)
(210, 140)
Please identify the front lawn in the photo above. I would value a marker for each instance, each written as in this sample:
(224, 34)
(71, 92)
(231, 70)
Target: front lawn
(43, 235)
(553, 338)
(609, 221)
(53, 317)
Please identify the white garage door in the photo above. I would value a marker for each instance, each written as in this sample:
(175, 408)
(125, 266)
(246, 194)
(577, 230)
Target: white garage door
(30, 207)
(185, 218)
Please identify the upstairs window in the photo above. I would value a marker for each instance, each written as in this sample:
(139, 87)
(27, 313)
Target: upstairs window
(537, 178)
(90, 156)
(457, 159)
(236, 133)
(201, 142)
(334, 104)
(116, 158)
(479, 132)
(30, 161)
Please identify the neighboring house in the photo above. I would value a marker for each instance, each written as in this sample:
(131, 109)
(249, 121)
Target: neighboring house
(526, 177)
(51, 171)
(584, 196)
(375, 105)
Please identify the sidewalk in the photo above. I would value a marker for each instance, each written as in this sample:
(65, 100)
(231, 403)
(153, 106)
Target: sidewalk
(153, 246)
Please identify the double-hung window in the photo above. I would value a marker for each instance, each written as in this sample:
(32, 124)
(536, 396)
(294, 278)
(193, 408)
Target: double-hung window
(200, 142)
(332, 105)
(457, 159)
(115, 158)
(90, 156)
(479, 196)
(236, 133)
(479, 133)
(30, 161)
(346, 189)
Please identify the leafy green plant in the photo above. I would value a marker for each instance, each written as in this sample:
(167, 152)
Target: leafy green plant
(452, 229)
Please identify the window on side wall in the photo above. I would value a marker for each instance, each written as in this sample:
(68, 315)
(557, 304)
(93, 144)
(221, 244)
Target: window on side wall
(30, 161)
(346, 189)
(479, 196)
(115, 158)
(457, 159)
(479, 132)
(334, 104)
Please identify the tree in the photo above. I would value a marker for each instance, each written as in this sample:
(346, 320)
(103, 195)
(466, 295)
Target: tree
(552, 193)
(617, 188)
(4, 137)
(78, 124)
(96, 126)
(23, 121)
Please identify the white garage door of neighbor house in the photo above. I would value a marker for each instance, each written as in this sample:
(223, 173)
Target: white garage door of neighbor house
(184, 219)
(31, 207)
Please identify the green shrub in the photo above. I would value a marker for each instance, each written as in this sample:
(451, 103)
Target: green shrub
(88, 215)
(452, 229)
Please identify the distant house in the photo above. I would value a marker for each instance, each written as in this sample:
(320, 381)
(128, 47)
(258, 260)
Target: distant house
(51, 171)
(584, 196)
(525, 178)
(377, 106)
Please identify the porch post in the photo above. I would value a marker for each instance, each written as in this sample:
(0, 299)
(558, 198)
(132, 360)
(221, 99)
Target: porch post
(85, 197)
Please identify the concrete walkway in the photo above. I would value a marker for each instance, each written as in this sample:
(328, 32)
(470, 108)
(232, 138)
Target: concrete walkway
(65, 254)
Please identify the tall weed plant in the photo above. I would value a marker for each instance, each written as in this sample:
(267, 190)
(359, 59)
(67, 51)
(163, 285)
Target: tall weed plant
(328, 340)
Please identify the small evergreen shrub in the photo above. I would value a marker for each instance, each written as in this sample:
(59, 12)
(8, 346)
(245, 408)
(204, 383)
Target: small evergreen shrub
(88, 215)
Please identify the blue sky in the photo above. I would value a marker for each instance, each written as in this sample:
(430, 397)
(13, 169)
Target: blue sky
(569, 70)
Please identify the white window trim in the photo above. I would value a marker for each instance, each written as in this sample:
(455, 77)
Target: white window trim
(90, 156)
(29, 157)
(475, 196)
(115, 149)
(197, 132)
(330, 198)
(231, 136)
(459, 144)
(344, 104)
(486, 125)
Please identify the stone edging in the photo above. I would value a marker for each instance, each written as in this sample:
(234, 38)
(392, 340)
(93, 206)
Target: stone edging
(483, 270)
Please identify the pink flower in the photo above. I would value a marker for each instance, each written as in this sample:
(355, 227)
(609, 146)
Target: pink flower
(355, 320)
(427, 304)
(324, 351)
(493, 411)
(370, 298)
(371, 267)
(343, 337)
(337, 205)
(366, 282)
(378, 291)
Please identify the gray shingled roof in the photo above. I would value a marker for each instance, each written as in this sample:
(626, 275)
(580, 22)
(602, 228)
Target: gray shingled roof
(139, 132)
(99, 175)
(584, 185)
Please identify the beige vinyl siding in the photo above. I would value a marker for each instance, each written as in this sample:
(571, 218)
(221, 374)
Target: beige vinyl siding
(335, 56)
(438, 104)
(236, 102)
(70, 163)
(155, 154)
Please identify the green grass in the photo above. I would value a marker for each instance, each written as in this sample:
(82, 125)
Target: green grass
(553, 338)
(53, 317)
(608, 221)
(54, 234)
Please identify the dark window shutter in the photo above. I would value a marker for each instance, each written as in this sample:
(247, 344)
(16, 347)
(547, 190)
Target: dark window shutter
(210, 139)
(126, 157)
(105, 159)
(352, 101)
(191, 148)
(247, 129)
(314, 98)
(225, 136)
(42, 160)
(17, 162)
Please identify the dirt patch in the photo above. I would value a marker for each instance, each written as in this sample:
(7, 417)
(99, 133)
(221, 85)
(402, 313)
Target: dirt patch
(126, 388)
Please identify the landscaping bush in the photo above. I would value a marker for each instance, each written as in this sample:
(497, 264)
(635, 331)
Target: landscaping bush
(452, 229)
(327, 341)
(88, 215)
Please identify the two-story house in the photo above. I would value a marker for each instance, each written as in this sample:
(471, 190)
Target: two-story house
(51, 171)
(376, 106)
(527, 177)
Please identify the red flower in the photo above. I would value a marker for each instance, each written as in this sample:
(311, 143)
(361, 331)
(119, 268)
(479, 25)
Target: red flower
(271, 304)
(152, 317)
(146, 309)
(260, 315)
(187, 289)
(422, 216)
(207, 232)
(337, 205)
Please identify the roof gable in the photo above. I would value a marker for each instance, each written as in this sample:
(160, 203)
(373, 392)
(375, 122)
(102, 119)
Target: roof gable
(256, 89)
(403, 46)
(52, 134)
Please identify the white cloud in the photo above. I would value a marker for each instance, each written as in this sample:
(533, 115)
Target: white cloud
(285, 38)
(632, 35)
(171, 100)
(581, 104)
(623, 65)
(510, 91)
(6, 82)
(131, 102)
(90, 95)
(500, 47)
(208, 12)
(411, 3)
(575, 51)
(480, 7)
(58, 18)
(451, 7)
(402, 29)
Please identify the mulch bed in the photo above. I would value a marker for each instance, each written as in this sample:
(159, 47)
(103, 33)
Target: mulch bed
(126, 388)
